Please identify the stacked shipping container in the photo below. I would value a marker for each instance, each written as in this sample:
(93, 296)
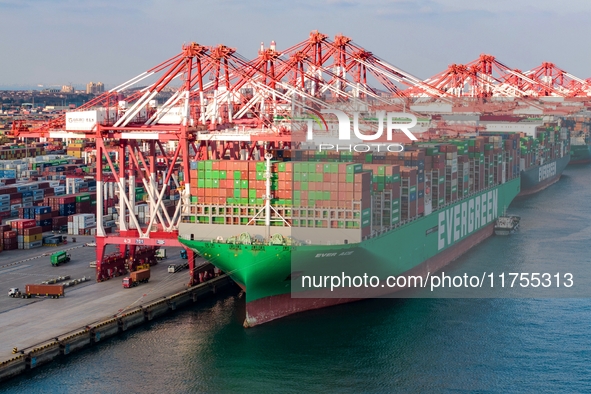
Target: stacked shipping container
(389, 188)
(28, 234)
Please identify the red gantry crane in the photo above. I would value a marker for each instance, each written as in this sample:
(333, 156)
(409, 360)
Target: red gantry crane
(212, 103)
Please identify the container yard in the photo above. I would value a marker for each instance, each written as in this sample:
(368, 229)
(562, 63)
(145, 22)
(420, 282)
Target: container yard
(85, 313)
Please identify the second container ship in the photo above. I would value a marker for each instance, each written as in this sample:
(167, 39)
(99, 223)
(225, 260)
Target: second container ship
(544, 151)
(580, 126)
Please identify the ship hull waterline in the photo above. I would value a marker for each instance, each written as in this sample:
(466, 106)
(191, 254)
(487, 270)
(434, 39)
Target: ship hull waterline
(538, 178)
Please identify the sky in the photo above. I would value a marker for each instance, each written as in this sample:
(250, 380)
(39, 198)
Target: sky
(58, 42)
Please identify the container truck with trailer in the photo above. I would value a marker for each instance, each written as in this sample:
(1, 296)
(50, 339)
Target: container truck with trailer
(51, 291)
(136, 277)
(58, 258)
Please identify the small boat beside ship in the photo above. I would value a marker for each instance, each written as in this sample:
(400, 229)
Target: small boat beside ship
(507, 224)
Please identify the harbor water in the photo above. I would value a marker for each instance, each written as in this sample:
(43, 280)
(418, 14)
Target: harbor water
(386, 345)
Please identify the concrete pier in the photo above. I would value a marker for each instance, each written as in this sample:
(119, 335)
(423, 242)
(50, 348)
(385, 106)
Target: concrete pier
(42, 329)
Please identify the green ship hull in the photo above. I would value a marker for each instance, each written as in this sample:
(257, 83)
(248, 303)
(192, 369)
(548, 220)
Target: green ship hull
(270, 274)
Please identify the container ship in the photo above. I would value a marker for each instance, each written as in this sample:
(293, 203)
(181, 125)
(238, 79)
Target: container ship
(268, 223)
(545, 150)
(580, 141)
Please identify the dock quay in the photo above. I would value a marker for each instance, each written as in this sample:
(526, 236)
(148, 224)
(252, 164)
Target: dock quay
(36, 331)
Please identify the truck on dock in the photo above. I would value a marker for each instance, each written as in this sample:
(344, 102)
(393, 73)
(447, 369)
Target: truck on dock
(161, 254)
(136, 277)
(172, 268)
(58, 258)
(51, 291)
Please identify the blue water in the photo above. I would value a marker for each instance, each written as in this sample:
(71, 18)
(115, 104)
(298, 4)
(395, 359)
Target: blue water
(389, 345)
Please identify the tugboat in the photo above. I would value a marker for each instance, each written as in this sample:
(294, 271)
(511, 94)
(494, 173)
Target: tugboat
(507, 224)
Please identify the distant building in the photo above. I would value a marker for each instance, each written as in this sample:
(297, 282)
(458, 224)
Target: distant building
(95, 88)
(67, 89)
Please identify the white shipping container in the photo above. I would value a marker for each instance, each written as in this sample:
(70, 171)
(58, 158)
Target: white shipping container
(87, 120)
(172, 116)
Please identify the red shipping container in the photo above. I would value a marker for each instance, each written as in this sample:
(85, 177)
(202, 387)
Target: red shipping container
(10, 234)
(22, 224)
(33, 230)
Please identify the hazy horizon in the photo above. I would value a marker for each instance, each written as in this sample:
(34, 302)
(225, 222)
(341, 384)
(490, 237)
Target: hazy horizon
(61, 42)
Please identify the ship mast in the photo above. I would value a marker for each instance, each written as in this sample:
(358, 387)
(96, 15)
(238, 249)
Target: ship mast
(268, 157)
(267, 197)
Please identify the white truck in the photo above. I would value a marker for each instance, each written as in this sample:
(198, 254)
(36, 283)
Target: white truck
(14, 292)
(160, 254)
(172, 268)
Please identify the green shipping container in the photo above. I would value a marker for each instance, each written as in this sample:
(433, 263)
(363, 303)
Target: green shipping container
(83, 198)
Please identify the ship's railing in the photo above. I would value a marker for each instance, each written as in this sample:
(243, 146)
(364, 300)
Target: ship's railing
(320, 217)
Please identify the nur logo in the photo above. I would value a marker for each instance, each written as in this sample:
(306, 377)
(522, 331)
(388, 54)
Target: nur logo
(345, 124)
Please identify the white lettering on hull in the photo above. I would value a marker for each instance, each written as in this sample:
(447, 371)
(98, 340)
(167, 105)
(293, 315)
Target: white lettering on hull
(547, 171)
(465, 218)
(321, 255)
